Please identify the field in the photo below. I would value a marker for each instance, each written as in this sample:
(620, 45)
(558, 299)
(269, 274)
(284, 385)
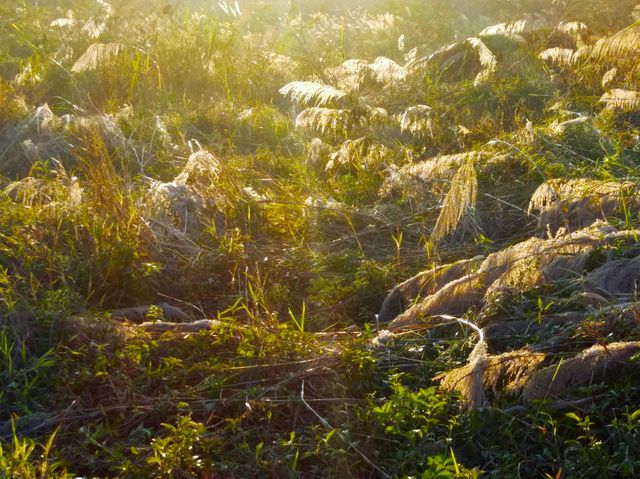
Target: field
(382, 239)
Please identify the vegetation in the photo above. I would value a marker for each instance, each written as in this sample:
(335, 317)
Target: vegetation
(319, 239)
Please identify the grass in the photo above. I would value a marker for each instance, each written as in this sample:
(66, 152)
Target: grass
(181, 165)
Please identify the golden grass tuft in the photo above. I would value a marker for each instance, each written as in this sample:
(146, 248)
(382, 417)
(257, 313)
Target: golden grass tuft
(517, 27)
(572, 28)
(609, 77)
(194, 190)
(349, 75)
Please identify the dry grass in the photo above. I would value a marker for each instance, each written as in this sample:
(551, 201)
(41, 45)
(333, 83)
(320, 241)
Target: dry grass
(592, 364)
(418, 121)
(323, 120)
(517, 27)
(609, 77)
(502, 373)
(98, 55)
(619, 45)
(461, 197)
(196, 191)
(456, 297)
(574, 204)
(424, 284)
(619, 99)
(615, 279)
(312, 93)
(517, 268)
(426, 178)
(349, 75)
(387, 71)
(557, 56)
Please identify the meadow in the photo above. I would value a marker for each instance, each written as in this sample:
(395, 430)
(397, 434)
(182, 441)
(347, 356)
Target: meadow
(381, 239)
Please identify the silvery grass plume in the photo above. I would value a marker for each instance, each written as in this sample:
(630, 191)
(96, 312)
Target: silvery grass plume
(427, 178)
(27, 76)
(517, 27)
(107, 9)
(350, 75)
(323, 120)
(622, 44)
(510, 370)
(98, 55)
(619, 99)
(487, 59)
(387, 71)
(374, 115)
(95, 26)
(559, 128)
(595, 362)
(163, 134)
(516, 269)
(361, 152)
(105, 125)
(615, 280)
(39, 137)
(350, 150)
(569, 204)
(281, 64)
(418, 120)
(65, 23)
(372, 24)
(449, 54)
(473, 388)
(609, 77)
(563, 57)
(195, 188)
(461, 197)
(62, 191)
(233, 10)
(557, 56)
(423, 285)
(307, 92)
(575, 29)
(318, 151)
